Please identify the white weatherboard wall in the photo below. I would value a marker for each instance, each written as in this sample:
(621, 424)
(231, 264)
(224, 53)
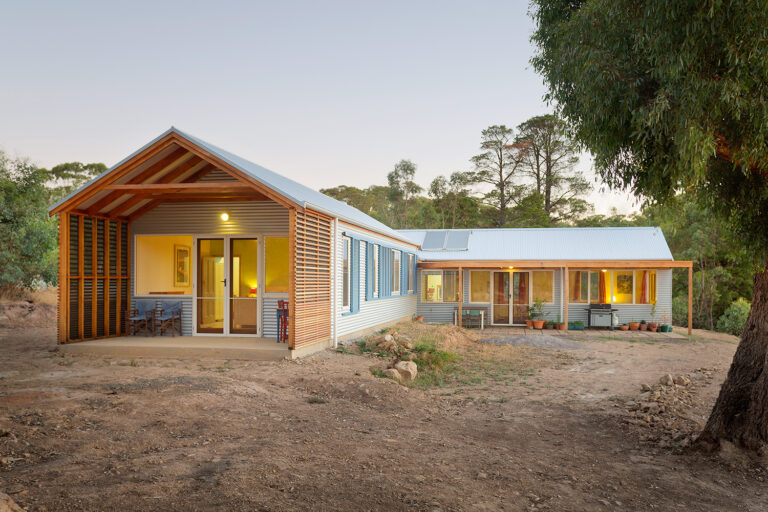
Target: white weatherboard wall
(443, 312)
(245, 218)
(374, 312)
(436, 312)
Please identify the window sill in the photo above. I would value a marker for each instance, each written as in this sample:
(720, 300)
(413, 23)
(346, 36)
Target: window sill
(347, 313)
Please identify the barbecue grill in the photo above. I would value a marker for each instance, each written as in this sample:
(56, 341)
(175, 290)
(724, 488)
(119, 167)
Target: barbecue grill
(602, 315)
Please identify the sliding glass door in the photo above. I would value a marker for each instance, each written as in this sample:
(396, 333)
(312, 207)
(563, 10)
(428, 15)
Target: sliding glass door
(227, 286)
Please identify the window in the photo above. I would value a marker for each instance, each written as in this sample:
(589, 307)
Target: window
(451, 286)
(396, 271)
(645, 289)
(375, 270)
(578, 286)
(479, 286)
(599, 287)
(411, 271)
(276, 265)
(346, 272)
(623, 286)
(439, 286)
(543, 285)
(163, 264)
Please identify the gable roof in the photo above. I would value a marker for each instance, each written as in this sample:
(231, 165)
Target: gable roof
(619, 243)
(293, 191)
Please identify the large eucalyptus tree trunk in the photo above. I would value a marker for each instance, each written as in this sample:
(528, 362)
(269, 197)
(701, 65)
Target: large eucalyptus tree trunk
(740, 414)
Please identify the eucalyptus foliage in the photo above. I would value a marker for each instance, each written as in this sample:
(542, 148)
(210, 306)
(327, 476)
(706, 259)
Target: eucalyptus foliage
(669, 97)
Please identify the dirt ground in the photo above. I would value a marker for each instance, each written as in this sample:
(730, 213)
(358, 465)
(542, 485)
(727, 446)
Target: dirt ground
(517, 428)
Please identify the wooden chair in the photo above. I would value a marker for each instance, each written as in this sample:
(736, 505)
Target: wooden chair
(141, 318)
(168, 317)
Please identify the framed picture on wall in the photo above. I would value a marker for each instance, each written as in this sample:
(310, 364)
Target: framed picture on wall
(182, 268)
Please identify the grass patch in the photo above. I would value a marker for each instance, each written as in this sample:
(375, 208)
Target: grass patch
(342, 349)
(317, 399)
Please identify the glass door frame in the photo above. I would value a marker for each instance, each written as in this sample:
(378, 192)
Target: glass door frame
(227, 241)
(511, 298)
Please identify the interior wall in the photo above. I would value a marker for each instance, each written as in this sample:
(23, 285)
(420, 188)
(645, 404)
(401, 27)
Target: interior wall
(155, 264)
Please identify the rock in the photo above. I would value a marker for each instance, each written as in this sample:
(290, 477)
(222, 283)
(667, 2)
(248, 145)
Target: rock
(682, 380)
(389, 346)
(408, 370)
(667, 380)
(482, 476)
(650, 407)
(7, 504)
(645, 387)
(393, 374)
(389, 337)
(407, 345)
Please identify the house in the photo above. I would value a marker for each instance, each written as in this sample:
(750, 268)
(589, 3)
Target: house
(504, 271)
(183, 219)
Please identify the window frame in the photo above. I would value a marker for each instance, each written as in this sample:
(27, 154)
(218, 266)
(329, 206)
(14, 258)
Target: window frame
(375, 271)
(610, 278)
(346, 274)
(411, 273)
(397, 256)
(441, 273)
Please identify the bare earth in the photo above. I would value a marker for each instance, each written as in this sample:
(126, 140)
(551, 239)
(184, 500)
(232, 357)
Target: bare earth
(524, 428)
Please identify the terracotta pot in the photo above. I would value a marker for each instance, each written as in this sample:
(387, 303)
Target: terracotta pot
(550, 326)
(633, 326)
(538, 324)
(643, 327)
(654, 325)
(624, 327)
(419, 318)
(529, 324)
(652, 328)
(560, 327)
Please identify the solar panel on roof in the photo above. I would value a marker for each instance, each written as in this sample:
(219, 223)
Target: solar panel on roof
(434, 240)
(457, 241)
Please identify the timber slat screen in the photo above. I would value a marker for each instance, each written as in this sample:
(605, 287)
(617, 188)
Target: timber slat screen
(93, 277)
(311, 290)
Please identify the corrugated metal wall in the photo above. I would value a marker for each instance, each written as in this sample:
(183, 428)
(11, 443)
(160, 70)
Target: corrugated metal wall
(443, 312)
(245, 218)
(376, 311)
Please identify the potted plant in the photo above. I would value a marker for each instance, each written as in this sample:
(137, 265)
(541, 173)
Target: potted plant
(560, 326)
(578, 325)
(633, 326)
(538, 306)
(624, 327)
(531, 316)
(653, 325)
(643, 325)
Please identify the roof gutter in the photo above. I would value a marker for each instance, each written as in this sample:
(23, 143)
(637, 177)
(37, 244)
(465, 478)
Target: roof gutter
(393, 234)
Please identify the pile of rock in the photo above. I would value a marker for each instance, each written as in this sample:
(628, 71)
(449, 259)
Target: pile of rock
(667, 406)
(402, 368)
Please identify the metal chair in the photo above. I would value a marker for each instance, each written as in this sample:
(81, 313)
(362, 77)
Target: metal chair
(141, 318)
(168, 317)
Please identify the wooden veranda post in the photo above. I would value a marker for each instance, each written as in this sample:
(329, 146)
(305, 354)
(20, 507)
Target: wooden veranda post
(690, 298)
(461, 294)
(62, 315)
(566, 294)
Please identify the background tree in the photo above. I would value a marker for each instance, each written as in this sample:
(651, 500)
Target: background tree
(67, 177)
(668, 97)
(438, 191)
(402, 188)
(549, 160)
(28, 234)
(496, 166)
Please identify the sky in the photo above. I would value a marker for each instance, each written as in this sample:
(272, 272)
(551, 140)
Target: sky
(327, 93)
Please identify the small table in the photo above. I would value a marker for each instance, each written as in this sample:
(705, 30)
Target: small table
(482, 316)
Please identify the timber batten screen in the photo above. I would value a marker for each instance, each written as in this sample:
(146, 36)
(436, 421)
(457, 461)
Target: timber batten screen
(93, 277)
(310, 250)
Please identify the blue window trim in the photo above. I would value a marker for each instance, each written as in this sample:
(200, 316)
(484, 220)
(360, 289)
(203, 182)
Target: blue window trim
(384, 271)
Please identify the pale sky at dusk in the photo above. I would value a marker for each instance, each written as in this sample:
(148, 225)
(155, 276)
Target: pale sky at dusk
(326, 93)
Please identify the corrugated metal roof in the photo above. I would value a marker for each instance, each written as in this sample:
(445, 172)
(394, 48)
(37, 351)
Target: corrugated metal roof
(292, 190)
(642, 243)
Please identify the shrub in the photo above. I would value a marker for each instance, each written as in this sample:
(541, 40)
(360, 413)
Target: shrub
(735, 317)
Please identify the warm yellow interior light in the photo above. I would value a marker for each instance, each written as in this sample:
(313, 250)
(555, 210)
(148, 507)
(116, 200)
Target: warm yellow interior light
(604, 270)
(225, 216)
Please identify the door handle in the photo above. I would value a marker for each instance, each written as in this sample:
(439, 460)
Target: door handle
(225, 281)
